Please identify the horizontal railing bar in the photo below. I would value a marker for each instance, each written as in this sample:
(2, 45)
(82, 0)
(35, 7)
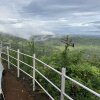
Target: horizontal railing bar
(96, 94)
(67, 96)
(4, 59)
(13, 64)
(3, 53)
(26, 73)
(26, 64)
(48, 80)
(44, 89)
(13, 57)
(49, 66)
(12, 50)
(26, 54)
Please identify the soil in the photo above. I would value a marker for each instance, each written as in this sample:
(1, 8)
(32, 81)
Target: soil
(14, 89)
(20, 89)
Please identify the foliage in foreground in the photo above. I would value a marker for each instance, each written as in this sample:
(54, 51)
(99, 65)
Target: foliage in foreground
(78, 67)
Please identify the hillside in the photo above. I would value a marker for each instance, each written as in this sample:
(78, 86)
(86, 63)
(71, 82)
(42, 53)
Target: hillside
(81, 62)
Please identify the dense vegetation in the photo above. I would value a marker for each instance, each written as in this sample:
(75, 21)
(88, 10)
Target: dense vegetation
(82, 62)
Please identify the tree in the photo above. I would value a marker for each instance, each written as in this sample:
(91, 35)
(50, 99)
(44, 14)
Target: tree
(68, 42)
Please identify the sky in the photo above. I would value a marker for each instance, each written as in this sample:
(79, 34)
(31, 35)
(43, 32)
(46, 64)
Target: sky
(38, 17)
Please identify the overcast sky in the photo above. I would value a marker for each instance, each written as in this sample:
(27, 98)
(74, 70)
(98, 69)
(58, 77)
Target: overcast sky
(27, 17)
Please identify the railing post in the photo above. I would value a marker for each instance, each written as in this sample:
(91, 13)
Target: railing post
(63, 83)
(8, 57)
(18, 63)
(33, 72)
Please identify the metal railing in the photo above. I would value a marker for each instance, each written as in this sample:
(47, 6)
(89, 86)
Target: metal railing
(62, 74)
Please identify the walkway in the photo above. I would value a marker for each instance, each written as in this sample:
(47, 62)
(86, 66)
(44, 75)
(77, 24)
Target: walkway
(14, 90)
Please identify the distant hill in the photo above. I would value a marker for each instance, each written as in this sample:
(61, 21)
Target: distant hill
(56, 39)
(42, 37)
(77, 39)
(8, 37)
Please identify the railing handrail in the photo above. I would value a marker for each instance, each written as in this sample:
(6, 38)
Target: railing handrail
(58, 72)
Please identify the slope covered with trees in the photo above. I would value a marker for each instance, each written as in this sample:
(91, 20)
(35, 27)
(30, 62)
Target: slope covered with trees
(82, 62)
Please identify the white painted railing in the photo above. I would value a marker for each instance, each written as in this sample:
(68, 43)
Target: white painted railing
(62, 74)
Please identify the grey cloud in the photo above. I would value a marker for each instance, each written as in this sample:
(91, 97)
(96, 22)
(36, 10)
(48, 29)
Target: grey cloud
(95, 22)
(57, 16)
(51, 8)
(9, 21)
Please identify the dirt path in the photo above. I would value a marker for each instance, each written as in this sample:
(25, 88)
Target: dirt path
(20, 89)
(14, 89)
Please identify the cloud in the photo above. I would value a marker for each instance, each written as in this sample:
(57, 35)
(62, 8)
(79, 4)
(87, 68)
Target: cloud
(28, 17)
(86, 13)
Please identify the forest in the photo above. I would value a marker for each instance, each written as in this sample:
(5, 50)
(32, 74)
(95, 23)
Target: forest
(80, 56)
